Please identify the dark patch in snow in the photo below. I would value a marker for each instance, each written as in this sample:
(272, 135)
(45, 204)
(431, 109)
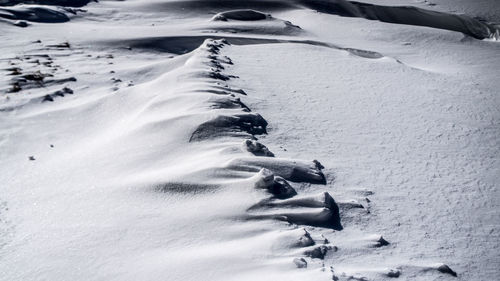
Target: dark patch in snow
(34, 14)
(446, 269)
(64, 3)
(187, 188)
(241, 15)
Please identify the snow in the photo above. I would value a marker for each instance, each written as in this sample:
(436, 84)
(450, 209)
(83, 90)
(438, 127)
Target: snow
(305, 146)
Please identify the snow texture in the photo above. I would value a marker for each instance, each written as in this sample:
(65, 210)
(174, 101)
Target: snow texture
(249, 140)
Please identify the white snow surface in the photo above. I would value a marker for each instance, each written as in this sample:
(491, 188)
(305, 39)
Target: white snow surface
(144, 166)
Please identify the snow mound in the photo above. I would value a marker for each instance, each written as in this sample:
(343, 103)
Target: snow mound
(241, 15)
(252, 21)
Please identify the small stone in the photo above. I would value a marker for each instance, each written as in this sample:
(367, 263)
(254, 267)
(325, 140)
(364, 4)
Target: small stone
(67, 90)
(21, 23)
(15, 88)
(300, 262)
(319, 252)
(393, 273)
(382, 242)
(47, 98)
(305, 240)
(446, 269)
(63, 45)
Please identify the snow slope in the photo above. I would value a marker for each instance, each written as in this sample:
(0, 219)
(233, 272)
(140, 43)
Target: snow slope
(184, 140)
(485, 9)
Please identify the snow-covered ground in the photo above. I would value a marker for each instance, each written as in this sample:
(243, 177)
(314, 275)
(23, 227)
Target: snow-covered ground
(299, 140)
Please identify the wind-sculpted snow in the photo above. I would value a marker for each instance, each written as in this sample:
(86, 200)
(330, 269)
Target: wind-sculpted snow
(241, 11)
(414, 16)
(206, 115)
(399, 15)
(170, 138)
(293, 170)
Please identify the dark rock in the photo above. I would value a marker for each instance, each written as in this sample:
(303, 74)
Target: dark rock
(446, 269)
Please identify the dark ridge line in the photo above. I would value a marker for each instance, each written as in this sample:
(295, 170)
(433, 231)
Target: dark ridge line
(180, 45)
(407, 15)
